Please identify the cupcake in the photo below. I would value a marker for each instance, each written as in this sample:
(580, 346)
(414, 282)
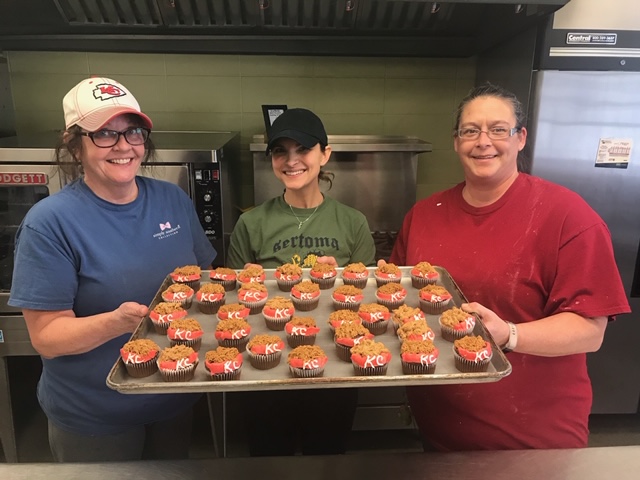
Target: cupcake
(265, 351)
(434, 299)
(253, 295)
(179, 293)
(139, 357)
(209, 297)
(355, 274)
(391, 295)
(301, 331)
(346, 336)
(185, 331)
(472, 354)
(305, 295)
(223, 363)
(164, 313)
(418, 330)
(323, 274)
(232, 310)
(287, 276)
(456, 323)
(375, 317)
(423, 274)
(189, 275)
(347, 297)
(254, 273)
(225, 277)
(418, 357)
(404, 314)
(370, 358)
(233, 332)
(178, 363)
(341, 316)
(276, 312)
(307, 361)
(389, 272)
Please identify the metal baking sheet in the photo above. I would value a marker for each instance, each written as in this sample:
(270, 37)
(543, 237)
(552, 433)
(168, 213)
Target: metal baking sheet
(337, 372)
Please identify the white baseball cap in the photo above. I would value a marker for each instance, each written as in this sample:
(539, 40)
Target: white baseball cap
(95, 101)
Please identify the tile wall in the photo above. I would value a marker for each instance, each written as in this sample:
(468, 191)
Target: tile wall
(352, 95)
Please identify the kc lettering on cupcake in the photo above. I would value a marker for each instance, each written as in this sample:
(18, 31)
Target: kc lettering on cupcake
(301, 331)
(375, 317)
(223, 363)
(265, 351)
(307, 361)
(178, 363)
(253, 295)
(348, 335)
(417, 330)
(434, 299)
(233, 332)
(456, 323)
(418, 357)
(347, 297)
(370, 358)
(210, 297)
(139, 357)
(188, 274)
(472, 354)
(233, 310)
(404, 314)
(355, 274)
(254, 273)
(287, 276)
(185, 331)
(225, 277)
(305, 295)
(277, 312)
(391, 295)
(164, 313)
(423, 273)
(179, 293)
(323, 274)
(389, 272)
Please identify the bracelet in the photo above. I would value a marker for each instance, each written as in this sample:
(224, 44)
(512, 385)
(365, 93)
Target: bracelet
(513, 338)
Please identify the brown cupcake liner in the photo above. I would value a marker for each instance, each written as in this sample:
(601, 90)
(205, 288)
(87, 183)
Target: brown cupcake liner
(305, 305)
(286, 285)
(239, 343)
(465, 366)
(182, 375)
(383, 281)
(229, 285)
(160, 327)
(264, 362)
(450, 334)
(141, 370)
(343, 352)
(210, 307)
(435, 308)
(369, 371)
(276, 324)
(376, 328)
(324, 283)
(195, 344)
(390, 304)
(223, 377)
(306, 372)
(412, 368)
(419, 282)
(297, 340)
(254, 307)
(345, 305)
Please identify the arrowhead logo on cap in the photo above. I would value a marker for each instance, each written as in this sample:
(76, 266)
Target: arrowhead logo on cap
(105, 91)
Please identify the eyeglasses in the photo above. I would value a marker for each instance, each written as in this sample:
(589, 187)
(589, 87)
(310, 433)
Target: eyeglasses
(108, 138)
(494, 133)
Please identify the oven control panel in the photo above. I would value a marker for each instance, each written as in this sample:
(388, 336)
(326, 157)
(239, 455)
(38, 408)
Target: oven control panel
(207, 198)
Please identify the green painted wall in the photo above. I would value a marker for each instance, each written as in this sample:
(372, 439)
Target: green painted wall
(385, 96)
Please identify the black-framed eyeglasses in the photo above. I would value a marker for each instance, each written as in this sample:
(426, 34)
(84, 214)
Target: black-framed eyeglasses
(108, 138)
(494, 133)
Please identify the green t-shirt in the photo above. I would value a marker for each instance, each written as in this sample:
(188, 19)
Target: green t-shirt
(269, 235)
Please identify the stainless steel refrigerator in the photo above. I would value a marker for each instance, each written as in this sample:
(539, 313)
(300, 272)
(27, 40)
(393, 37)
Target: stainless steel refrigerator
(572, 115)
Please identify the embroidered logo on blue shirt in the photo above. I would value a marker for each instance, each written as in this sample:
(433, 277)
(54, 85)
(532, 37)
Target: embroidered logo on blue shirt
(166, 230)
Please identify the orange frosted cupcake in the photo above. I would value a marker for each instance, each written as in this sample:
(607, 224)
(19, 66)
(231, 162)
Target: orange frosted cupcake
(346, 336)
(139, 357)
(287, 276)
(417, 330)
(225, 277)
(418, 357)
(472, 354)
(305, 295)
(404, 314)
(164, 313)
(347, 297)
(323, 274)
(301, 331)
(370, 358)
(185, 331)
(179, 293)
(391, 295)
(456, 323)
(210, 297)
(434, 299)
(355, 274)
(233, 332)
(307, 361)
(188, 274)
(375, 317)
(233, 310)
(265, 351)
(423, 274)
(178, 363)
(253, 273)
(253, 295)
(223, 363)
(389, 272)
(276, 312)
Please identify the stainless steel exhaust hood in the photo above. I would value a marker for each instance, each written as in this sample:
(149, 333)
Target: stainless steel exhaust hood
(308, 27)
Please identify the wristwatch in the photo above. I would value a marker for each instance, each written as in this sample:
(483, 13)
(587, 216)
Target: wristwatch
(512, 341)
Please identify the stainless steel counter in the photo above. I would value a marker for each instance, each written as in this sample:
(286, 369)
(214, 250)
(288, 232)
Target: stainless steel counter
(620, 463)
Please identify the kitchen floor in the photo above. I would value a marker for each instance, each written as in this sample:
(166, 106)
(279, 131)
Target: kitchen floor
(32, 443)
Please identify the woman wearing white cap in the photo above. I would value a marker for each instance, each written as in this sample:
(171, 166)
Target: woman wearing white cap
(88, 261)
(303, 224)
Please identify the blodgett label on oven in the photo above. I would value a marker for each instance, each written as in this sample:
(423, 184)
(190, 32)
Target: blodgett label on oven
(23, 178)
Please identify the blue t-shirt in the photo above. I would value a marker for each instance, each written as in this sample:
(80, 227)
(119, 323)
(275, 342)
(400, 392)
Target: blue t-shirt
(77, 251)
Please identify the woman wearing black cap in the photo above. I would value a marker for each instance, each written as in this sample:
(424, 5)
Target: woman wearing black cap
(302, 224)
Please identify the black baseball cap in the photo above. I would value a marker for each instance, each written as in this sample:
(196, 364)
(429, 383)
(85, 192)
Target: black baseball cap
(298, 124)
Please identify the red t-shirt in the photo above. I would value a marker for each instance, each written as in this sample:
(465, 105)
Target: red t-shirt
(539, 250)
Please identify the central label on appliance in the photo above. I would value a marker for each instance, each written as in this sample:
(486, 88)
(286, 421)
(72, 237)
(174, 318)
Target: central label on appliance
(23, 178)
(592, 38)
